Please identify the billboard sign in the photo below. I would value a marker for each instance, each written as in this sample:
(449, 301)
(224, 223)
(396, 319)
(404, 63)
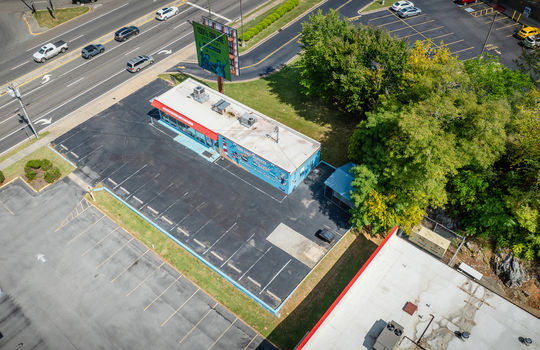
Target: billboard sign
(233, 42)
(212, 50)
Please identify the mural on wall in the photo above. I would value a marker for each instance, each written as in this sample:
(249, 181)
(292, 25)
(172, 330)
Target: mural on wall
(256, 165)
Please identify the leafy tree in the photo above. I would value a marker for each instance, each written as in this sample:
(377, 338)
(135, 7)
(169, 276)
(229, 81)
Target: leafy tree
(529, 63)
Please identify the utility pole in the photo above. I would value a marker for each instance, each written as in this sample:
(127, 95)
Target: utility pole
(242, 22)
(209, 12)
(487, 36)
(14, 92)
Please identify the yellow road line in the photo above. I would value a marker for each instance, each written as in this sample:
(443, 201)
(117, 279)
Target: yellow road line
(113, 254)
(144, 280)
(390, 14)
(271, 53)
(181, 306)
(156, 298)
(198, 323)
(98, 242)
(9, 210)
(424, 31)
(251, 341)
(86, 229)
(441, 36)
(472, 47)
(127, 268)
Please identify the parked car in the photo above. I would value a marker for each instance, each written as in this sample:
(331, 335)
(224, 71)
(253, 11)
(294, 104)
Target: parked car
(92, 50)
(465, 2)
(325, 235)
(531, 42)
(409, 12)
(139, 63)
(82, 1)
(527, 31)
(125, 33)
(50, 50)
(166, 13)
(400, 5)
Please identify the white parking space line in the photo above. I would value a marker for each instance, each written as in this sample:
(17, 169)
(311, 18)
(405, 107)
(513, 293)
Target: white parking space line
(79, 26)
(130, 176)
(254, 282)
(80, 36)
(216, 255)
(260, 257)
(237, 250)
(199, 243)
(182, 231)
(273, 278)
(74, 155)
(93, 151)
(206, 10)
(75, 82)
(234, 267)
(152, 209)
(20, 65)
(164, 218)
(138, 200)
(64, 147)
(129, 52)
(123, 189)
(112, 181)
(144, 184)
(273, 295)
(220, 237)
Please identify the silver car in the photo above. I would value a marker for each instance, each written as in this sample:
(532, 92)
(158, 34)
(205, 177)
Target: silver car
(409, 12)
(139, 63)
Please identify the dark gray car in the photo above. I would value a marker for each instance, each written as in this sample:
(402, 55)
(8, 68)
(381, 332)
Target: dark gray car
(92, 50)
(125, 33)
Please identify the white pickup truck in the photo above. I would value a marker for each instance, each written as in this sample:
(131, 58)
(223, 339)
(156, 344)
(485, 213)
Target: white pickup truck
(49, 50)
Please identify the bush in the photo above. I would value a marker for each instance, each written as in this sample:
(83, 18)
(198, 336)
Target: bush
(30, 175)
(2, 177)
(33, 163)
(52, 175)
(46, 164)
(271, 18)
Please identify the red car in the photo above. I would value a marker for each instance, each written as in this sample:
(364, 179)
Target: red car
(465, 2)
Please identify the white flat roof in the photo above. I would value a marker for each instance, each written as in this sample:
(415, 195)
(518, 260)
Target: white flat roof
(402, 273)
(292, 150)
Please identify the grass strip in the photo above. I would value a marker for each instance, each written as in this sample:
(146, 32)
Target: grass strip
(376, 5)
(22, 146)
(45, 19)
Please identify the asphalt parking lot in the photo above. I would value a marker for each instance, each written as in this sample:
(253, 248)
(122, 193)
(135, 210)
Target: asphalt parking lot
(463, 29)
(246, 230)
(70, 278)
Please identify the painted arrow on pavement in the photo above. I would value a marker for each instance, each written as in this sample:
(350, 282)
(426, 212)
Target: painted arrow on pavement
(44, 121)
(45, 78)
(167, 52)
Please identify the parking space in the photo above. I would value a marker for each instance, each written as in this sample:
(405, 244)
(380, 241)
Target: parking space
(462, 29)
(220, 213)
(103, 288)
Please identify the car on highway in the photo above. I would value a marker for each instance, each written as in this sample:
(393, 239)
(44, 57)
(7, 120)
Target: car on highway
(527, 31)
(50, 50)
(139, 62)
(325, 235)
(400, 5)
(409, 12)
(166, 13)
(92, 50)
(125, 33)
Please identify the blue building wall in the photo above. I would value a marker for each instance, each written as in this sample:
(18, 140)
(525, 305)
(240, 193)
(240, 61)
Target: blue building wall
(300, 174)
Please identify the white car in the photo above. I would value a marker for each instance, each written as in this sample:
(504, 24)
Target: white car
(166, 13)
(400, 5)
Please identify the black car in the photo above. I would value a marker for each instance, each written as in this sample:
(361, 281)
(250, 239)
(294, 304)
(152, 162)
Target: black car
(325, 235)
(92, 50)
(125, 33)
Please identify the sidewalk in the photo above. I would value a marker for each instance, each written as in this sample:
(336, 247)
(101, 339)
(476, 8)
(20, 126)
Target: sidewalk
(103, 102)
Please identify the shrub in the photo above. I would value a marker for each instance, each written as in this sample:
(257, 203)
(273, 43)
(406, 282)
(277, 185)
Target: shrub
(271, 18)
(46, 164)
(33, 163)
(30, 175)
(52, 175)
(2, 177)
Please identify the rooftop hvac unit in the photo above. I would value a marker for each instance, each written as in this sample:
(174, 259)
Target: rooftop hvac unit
(389, 336)
(220, 106)
(247, 120)
(199, 95)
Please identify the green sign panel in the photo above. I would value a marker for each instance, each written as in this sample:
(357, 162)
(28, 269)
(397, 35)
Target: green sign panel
(212, 50)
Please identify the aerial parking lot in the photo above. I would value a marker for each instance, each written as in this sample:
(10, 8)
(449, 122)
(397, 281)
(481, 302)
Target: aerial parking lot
(257, 237)
(462, 29)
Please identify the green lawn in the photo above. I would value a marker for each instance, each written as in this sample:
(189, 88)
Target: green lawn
(61, 15)
(22, 146)
(298, 315)
(17, 168)
(375, 5)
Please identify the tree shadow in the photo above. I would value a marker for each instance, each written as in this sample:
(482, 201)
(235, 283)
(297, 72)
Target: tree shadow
(302, 319)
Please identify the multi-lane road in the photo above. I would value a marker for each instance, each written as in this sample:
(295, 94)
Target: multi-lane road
(53, 89)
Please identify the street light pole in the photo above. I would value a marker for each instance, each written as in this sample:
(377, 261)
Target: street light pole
(242, 22)
(487, 36)
(209, 12)
(14, 92)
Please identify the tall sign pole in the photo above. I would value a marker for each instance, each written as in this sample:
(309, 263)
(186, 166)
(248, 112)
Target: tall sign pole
(14, 92)
(242, 22)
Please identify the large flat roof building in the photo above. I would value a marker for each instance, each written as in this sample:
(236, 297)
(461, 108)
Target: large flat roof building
(436, 307)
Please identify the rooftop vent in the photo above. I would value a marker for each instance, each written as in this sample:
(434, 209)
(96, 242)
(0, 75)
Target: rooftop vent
(199, 95)
(247, 120)
(389, 336)
(220, 106)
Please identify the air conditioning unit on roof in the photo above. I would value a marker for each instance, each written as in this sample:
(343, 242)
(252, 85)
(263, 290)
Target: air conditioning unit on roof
(247, 120)
(199, 95)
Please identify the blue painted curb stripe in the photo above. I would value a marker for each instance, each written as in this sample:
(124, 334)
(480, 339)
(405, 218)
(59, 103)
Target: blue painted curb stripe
(230, 280)
(64, 158)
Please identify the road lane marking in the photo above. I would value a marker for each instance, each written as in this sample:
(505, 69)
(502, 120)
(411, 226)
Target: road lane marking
(80, 36)
(129, 52)
(75, 82)
(8, 118)
(206, 10)
(20, 65)
(172, 42)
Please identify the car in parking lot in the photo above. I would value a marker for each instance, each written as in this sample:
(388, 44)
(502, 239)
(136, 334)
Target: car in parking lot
(325, 235)
(166, 13)
(409, 12)
(125, 33)
(531, 42)
(139, 62)
(527, 31)
(400, 5)
(465, 2)
(92, 50)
